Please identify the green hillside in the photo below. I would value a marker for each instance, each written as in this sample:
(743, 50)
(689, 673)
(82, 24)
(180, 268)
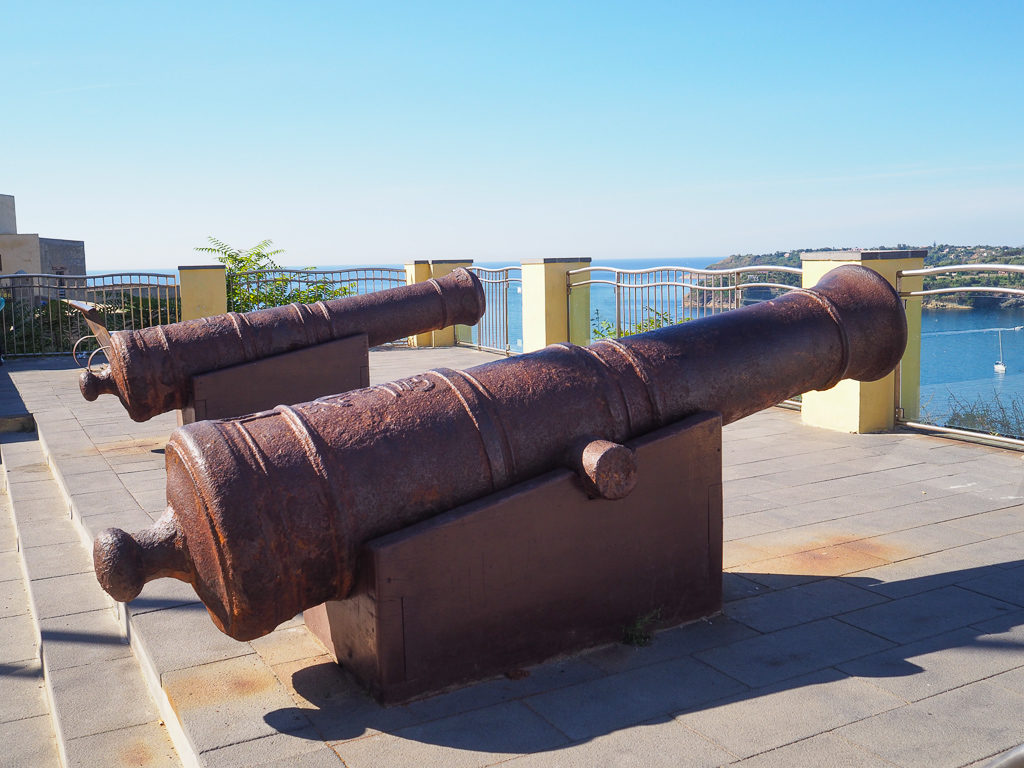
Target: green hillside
(939, 255)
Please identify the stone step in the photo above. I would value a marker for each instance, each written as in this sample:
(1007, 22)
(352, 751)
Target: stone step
(103, 714)
(196, 674)
(26, 728)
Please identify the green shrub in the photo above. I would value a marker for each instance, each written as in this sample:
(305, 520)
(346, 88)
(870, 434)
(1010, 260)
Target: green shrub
(605, 329)
(1000, 415)
(268, 291)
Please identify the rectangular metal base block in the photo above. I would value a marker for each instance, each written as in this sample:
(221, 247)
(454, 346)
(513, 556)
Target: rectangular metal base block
(294, 377)
(536, 571)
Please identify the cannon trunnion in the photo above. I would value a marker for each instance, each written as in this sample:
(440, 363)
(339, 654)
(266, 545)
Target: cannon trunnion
(279, 511)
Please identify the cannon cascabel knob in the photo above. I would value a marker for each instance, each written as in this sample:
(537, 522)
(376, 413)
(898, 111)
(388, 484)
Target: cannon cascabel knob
(124, 562)
(93, 385)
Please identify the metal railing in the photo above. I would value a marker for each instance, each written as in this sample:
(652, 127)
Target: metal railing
(643, 299)
(987, 424)
(504, 294)
(35, 321)
(272, 287)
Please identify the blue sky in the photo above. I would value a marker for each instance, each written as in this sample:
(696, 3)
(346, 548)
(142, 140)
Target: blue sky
(384, 131)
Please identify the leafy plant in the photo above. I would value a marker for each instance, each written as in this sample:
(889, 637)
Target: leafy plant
(653, 319)
(246, 292)
(640, 632)
(1002, 415)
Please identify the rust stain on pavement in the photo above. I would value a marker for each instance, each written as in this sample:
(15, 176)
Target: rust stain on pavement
(832, 556)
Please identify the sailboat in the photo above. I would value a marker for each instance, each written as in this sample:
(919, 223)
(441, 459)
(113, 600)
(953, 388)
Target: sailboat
(1000, 366)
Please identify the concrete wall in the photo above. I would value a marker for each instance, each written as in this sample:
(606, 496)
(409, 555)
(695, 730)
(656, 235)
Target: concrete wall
(8, 220)
(61, 256)
(19, 253)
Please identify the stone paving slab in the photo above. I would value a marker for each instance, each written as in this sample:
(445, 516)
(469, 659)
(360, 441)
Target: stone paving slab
(949, 729)
(768, 718)
(825, 750)
(657, 744)
(822, 527)
(801, 604)
(930, 613)
(792, 652)
(940, 663)
(480, 737)
(29, 742)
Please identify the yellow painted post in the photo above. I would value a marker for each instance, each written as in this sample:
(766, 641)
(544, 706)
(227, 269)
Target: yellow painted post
(439, 268)
(204, 291)
(550, 315)
(855, 406)
(418, 272)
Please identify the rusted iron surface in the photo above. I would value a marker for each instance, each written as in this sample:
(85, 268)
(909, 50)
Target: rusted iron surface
(94, 319)
(151, 370)
(534, 571)
(267, 512)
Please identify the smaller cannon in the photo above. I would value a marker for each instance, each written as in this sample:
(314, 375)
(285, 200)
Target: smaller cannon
(151, 370)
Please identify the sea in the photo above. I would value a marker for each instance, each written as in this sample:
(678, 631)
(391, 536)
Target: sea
(959, 347)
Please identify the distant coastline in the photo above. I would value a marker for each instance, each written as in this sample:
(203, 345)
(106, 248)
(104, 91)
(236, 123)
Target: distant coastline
(938, 255)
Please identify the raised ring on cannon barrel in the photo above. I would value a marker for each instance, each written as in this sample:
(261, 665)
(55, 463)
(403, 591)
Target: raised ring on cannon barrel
(152, 370)
(266, 513)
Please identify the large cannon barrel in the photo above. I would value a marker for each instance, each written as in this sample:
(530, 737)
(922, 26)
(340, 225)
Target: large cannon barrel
(266, 513)
(151, 369)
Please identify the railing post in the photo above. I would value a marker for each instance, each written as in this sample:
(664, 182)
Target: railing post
(855, 406)
(204, 291)
(550, 313)
(909, 395)
(421, 271)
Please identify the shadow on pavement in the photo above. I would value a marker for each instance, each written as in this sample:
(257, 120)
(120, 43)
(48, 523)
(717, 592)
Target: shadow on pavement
(682, 671)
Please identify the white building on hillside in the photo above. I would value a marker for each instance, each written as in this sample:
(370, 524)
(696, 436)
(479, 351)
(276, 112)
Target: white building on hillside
(34, 254)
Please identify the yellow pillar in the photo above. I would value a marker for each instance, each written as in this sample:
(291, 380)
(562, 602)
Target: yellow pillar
(445, 337)
(420, 272)
(855, 406)
(550, 313)
(204, 291)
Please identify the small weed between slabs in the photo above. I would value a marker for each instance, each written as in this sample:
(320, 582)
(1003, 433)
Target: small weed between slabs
(639, 632)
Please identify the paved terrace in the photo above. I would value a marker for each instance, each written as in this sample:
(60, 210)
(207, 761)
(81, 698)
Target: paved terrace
(874, 617)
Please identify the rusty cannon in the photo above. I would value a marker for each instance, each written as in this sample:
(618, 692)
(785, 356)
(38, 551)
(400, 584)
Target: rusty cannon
(267, 513)
(151, 370)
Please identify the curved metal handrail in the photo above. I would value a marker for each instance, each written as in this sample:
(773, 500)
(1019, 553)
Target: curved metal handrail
(960, 268)
(965, 289)
(506, 279)
(92, 277)
(299, 271)
(694, 286)
(697, 270)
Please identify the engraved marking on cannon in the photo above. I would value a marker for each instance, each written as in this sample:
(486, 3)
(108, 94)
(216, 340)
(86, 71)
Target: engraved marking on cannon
(401, 386)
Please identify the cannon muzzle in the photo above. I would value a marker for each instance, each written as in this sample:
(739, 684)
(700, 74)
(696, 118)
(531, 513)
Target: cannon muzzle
(266, 513)
(151, 369)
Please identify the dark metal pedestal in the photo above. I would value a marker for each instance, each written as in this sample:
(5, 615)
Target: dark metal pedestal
(535, 571)
(294, 377)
